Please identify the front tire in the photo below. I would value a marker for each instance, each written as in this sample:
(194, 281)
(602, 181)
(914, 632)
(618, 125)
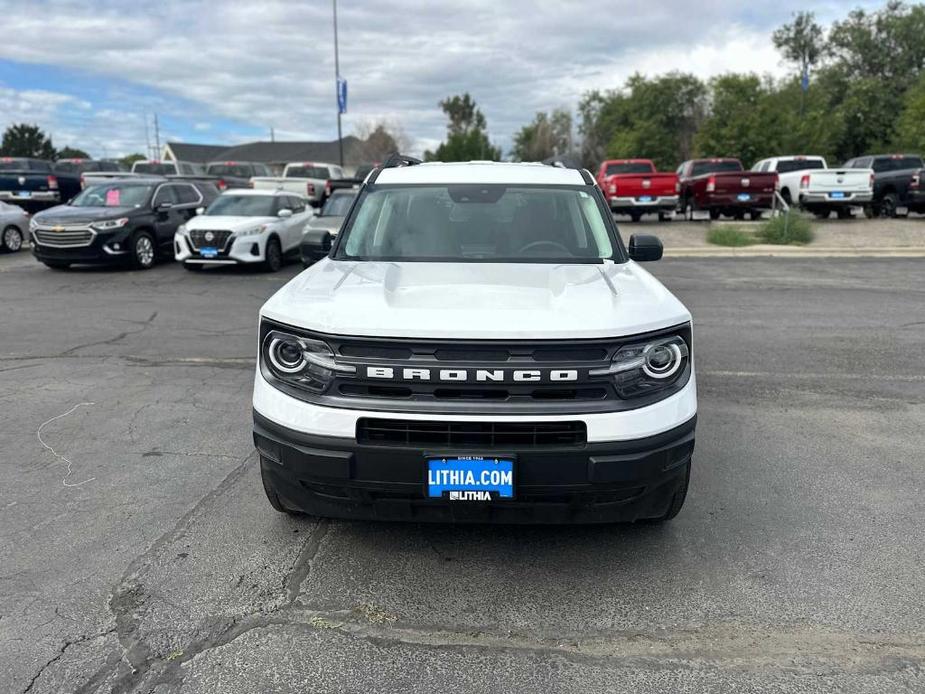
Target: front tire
(12, 239)
(144, 251)
(665, 216)
(635, 216)
(822, 214)
(273, 256)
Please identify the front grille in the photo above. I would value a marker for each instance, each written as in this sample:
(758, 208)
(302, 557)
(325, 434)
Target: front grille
(492, 435)
(219, 239)
(68, 238)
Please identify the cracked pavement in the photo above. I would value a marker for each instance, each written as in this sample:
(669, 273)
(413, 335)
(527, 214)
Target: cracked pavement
(795, 566)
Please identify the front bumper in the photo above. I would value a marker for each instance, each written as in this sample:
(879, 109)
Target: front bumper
(617, 481)
(654, 204)
(104, 248)
(731, 201)
(825, 199)
(240, 251)
(51, 196)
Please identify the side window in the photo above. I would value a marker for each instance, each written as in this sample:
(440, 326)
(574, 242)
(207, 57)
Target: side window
(165, 194)
(881, 165)
(187, 195)
(297, 204)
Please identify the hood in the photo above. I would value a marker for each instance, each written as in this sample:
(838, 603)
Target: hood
(331, 223)
(475, 300)
(231, 223)
(67, 214)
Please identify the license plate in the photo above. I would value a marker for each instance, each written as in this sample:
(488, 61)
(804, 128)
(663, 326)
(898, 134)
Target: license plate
(208, 252)
(645, 198)
(23, 194)
(837, 195)
(744, 197)
(470, 478)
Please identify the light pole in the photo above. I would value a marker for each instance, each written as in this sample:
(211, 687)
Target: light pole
(340, 139)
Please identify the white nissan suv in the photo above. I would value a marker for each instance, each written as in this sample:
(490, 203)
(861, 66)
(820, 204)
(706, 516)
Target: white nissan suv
(244, 226)
(477, 344)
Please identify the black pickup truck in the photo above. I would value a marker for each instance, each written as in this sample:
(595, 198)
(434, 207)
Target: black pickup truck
(33, 184)
(897, 180)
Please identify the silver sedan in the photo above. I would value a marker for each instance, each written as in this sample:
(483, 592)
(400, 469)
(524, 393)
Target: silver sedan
(14, 226)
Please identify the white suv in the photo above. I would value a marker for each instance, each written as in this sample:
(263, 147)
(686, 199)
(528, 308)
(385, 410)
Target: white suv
(244, 226)
(477, 345)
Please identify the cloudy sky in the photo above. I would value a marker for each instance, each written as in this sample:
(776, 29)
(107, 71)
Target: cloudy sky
(93, 74)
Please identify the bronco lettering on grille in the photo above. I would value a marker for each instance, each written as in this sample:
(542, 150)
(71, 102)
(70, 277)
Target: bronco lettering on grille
(472, 375)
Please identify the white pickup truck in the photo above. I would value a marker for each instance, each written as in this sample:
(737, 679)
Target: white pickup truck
(808, 182)
(305, 178)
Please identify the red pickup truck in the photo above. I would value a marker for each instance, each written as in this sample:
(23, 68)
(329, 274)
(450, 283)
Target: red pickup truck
(723, 187)
(634, 187)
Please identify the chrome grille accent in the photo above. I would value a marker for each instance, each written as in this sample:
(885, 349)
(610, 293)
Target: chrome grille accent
(68, 237)
(220, 238)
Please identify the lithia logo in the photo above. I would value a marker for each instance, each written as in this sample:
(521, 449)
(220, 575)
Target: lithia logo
(473, 375)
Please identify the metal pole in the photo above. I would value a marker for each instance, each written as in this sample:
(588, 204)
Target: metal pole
(340, 139)
(157, 137)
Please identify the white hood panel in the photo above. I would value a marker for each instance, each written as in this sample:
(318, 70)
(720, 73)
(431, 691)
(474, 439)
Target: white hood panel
(475, 300)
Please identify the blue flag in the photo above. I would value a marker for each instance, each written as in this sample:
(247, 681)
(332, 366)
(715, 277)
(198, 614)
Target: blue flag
(341, 95)
(804, 81)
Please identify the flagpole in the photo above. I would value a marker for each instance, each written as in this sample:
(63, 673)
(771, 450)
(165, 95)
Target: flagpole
(340, 138)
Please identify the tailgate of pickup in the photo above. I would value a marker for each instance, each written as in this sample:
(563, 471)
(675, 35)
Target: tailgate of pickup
(846, 180)
(635, 185)
(744, 182)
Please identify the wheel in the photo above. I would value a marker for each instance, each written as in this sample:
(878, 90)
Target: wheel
(822, 214)
(273, 256)
(12, 239)
(687, 210)
(714, 213)
(754, 215)
(677, 501)
(56, 264)
(665, 216)
(785, 194)
(635, 216)
(845, 213)
(272, 496)
(193, 267)
(870, 212)
(143, 251)
(888, 205)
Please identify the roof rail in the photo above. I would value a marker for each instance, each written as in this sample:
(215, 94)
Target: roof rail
(392, 161)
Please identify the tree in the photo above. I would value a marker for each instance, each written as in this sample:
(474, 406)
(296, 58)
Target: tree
(380, 139)
(130, 159)
(71, 153)
(910, 133)
(801, 41)
(549, 134)
(24, 140)
(466, 133)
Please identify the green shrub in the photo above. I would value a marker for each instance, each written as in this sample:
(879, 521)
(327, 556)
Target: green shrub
(786, 229)
(730, 236)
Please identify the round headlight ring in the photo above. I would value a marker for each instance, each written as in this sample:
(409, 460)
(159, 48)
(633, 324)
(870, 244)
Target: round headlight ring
(662, 360)
(286, 355)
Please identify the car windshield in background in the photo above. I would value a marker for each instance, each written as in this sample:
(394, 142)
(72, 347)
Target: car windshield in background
(627, 168)
(157, 169)
(799, 165)
(22, 165)
(708, 167)
(338, 205)
(308, 172)
(113, 195)
(242, 206)
(478, 223)
(229, 170)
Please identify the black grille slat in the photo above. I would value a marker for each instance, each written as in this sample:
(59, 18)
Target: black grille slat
(470, 434)
(219, 240)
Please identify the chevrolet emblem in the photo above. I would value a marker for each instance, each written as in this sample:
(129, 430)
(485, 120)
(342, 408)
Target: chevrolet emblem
(57, 228)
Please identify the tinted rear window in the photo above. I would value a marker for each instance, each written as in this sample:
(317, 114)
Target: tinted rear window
(706, 167)
(238, 170)
(897, 163)
(151, 168)
(799, 165)
(628, 168)
(308, 172)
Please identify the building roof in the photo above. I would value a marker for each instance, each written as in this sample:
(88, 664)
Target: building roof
(272, 152)
(481, 172)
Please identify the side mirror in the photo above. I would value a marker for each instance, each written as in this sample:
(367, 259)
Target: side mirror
(164, 206)
(200, 210)
(284, 213)
(316, 243)
(644, 248)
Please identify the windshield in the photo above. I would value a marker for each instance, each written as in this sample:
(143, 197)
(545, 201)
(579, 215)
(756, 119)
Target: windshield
(242, 206)
(8, 164)
(152, 168)
(338, 205)
(799, 165)
(308, 172)
(705, 167)
(628, 168)
(479, 223)
(113, 195)
(238, 170)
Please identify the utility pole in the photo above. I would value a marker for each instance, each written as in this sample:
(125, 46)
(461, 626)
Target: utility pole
(340, 138)
(272, 135)
(147, 139)
(157, 137)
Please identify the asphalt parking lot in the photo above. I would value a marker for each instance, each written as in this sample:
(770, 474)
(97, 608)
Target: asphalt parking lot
(138, 553)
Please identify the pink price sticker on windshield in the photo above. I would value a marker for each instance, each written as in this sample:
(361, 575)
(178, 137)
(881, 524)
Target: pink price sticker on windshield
(112, 197)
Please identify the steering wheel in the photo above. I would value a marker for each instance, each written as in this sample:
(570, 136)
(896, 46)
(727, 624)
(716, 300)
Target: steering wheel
(547, 244)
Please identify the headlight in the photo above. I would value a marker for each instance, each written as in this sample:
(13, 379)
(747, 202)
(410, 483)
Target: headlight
(181, 229)
(647, 367)
(110, 224)
(299, 361)
(256, 231)
(33, 224)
